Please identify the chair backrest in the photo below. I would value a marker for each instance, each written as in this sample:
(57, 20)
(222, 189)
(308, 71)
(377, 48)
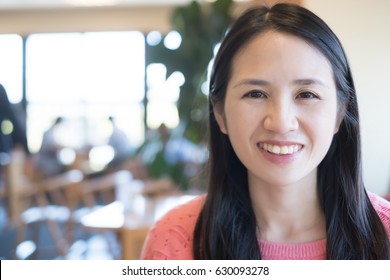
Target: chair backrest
(89, 188)
(24, 191)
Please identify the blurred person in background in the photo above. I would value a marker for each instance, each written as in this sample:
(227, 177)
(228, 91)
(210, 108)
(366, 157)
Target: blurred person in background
(48, 162)
(12, 131)
(120, 143)
(13, 143)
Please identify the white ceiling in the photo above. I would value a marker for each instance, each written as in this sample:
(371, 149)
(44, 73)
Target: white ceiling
(37, 4)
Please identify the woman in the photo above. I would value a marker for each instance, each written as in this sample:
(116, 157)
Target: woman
(285, 179)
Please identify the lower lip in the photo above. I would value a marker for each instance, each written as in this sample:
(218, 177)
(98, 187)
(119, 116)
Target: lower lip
(280, 159)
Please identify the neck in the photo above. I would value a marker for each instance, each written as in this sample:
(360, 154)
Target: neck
(288, 214)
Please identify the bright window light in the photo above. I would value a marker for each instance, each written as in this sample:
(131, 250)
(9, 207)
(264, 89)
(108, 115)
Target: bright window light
(162, 113)
(153, 38)
(173, 40)
(176, 79)
(86, 77)
(163, 94)
(11, 54)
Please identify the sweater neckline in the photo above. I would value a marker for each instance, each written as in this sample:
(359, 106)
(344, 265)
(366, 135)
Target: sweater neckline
(293, 251)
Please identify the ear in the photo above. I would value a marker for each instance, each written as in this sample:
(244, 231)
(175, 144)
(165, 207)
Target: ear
(339, 120)
(220, 118)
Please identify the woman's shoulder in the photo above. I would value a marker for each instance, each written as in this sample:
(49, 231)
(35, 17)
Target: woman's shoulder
(185, 214)
(382, 207)
(171, 236)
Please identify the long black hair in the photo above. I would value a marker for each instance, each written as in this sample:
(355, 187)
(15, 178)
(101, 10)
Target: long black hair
(226, 227)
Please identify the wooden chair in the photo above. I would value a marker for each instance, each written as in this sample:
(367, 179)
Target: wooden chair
(89, 196)
(131, 230)
(48, 206)
(34, 202)
(135, 166)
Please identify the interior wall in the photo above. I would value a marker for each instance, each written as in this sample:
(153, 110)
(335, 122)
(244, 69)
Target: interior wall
(145, 19)
(363, 28)
(83, 19)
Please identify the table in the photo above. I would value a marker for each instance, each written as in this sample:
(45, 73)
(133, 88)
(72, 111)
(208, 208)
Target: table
(132, 228)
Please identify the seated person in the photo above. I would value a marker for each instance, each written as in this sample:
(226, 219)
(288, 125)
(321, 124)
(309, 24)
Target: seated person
(48, 162)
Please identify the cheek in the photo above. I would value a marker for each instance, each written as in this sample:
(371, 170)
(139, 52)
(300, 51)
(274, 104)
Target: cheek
(241, 127)
(238, 120)
(322, 126)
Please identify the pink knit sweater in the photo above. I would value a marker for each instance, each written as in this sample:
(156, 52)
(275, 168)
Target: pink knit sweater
(171, 237)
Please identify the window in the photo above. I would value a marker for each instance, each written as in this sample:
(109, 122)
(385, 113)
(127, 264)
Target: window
(86, 77)
(11, 66)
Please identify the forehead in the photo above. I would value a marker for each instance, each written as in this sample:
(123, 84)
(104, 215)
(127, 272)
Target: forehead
(273, 51)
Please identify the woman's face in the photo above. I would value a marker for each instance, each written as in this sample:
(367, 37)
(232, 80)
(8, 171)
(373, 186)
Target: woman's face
(280, 110)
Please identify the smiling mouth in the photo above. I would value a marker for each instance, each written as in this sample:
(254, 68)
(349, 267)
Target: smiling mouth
(280, 150)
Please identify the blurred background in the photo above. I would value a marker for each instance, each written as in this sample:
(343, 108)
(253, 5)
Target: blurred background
(104, 109)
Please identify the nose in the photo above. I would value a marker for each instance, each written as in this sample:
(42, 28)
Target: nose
(281, 118)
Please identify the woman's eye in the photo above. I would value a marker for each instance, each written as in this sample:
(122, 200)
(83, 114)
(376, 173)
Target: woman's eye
(255, 94)
(307, 95)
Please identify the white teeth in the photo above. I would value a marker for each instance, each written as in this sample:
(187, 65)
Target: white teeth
(276, 149)
(280, 150)
(284, 150)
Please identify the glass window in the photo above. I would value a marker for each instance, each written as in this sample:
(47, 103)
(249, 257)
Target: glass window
(86, 77)
(11, 66)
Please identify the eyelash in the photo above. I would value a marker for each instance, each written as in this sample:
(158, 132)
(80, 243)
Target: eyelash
(302, 95)
(312, 95)
(255, 94)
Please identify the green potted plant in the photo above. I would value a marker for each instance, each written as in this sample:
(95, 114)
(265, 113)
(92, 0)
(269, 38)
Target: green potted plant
(201, 27)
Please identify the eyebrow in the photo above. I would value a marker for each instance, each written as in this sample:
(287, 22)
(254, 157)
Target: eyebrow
(306, 82)
(253, 82)
(259, 82)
